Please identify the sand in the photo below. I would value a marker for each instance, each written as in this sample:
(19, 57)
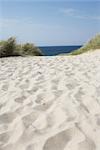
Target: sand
(50, 103)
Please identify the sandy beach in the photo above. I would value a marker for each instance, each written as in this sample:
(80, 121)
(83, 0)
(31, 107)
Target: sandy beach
(50, 103)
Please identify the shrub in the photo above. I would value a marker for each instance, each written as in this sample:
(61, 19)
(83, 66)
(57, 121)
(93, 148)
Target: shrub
(30, 49)
(10, 48)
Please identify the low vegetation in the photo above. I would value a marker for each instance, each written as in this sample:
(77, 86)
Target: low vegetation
(93, 44)
(11, 48)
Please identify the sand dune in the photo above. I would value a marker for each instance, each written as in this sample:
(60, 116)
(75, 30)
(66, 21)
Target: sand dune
(50, 103)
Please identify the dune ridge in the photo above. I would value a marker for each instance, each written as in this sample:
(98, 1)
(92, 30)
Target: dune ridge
(50, 103)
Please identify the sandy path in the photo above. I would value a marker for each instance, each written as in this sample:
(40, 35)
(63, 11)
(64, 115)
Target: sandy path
(50, 103)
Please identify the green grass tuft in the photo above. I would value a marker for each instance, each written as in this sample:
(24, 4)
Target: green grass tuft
(11, 48)
(93, 44)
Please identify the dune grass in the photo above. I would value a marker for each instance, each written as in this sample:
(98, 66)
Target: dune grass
(11, 48)
(93, 44)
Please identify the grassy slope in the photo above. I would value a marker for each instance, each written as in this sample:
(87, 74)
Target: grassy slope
(91, 45)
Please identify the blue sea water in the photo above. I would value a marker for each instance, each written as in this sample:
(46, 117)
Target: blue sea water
(56, 50)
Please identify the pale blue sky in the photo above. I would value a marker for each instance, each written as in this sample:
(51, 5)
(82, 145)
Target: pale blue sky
(50, 22)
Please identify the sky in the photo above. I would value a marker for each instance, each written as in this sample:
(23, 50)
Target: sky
(47, 23)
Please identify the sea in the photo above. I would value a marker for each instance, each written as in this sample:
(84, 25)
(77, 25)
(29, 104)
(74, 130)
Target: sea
(57, 50)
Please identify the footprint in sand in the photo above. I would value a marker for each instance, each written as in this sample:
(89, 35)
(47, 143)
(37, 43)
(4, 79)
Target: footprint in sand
(58, 141)
(5, 87)
(88, 144)
(71, 86)
(33, 90)
(29, 119)
(57, 93)
(2, 105)
(30, 147)
(39, 98)
(7, 117)
(20, 99)
(79, 94)
(4, 137)
(43, 106)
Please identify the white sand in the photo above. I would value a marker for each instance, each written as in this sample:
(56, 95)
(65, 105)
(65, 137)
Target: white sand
(50, 103)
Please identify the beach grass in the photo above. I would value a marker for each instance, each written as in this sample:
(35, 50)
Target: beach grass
(93, 44)
(11, 48)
